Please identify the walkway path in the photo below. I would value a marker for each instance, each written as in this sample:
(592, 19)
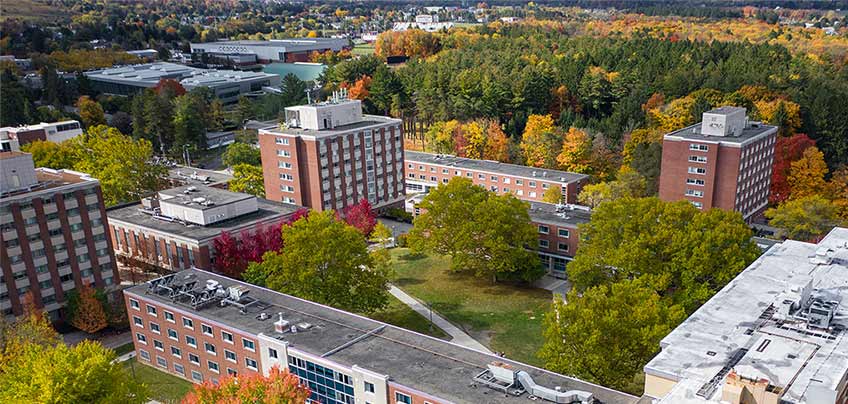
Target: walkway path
(459, 336)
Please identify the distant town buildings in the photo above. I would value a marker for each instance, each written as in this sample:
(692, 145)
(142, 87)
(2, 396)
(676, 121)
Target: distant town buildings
(227, 85)
(774, 334)
(725, 162)
(53, 236)
(203, 327)
(275, 50)
(329, 155)
(426, 170)
(145, 53)
(13, 137)
(176, 228)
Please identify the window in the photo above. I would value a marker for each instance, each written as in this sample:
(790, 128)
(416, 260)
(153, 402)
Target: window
(281, 140)
(694, 181)
(210, 348)
(564, 233)
(698, 205)
(141, 338)
(230, 355)
(227, 337)
(187, 323)
(562, 247)
(213, 366)
(151, 310)
(176, 352)
(172, 334)
(545, 185)
(169, 316)
(283, 153)
(248, 344)
(543, 229)
(698, 147)
(207, 330)
(232, 372)
(532, 184)
(283, 164)
(697, 170)
(196, 376)
(369, 387)
(695, 193)
(250, 363)
(179, 369)
(138, 321)
(154, 327)
(194, 359)
(698, 159)
(191, 341)
(493, 178)
(532, 194)
(144, 355)
(158, 345)
(134, 304)
(402, 398)
(543, 243)
(272, 353)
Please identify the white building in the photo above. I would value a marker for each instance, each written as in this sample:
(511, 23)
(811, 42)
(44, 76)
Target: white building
(11, 138)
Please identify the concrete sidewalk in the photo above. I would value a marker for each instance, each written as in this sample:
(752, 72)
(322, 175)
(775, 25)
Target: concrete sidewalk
(459, 336)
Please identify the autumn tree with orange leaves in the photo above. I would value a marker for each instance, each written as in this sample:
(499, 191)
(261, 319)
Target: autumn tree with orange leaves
(86, 311)
(279, 387)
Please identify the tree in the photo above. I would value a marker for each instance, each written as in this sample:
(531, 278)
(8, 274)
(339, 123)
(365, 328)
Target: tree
(31, 328)
(228, 258)
(804, 219)
(84, 373)
(169, 88)
(361, 216)
(121, 121)
(241, 153)
(607, 334)
(497, 144)
(540, 142)
(381, 233)
(86, 312)
(360, 88)
(15, 108)
(485, 234)
(294, 90)
(440, 136)
(279, 387)
(325, 261)
(786, 151)
(51, 155)
(553, 194)
(629, 184)
(673, 247)
(576, 154)
(244, 109)
(384, 84)
(91, 112)
(248, 179)
(806, 175)
(189, 121)
(122, 165)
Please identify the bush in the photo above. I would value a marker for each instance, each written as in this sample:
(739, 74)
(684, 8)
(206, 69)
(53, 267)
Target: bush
(401, 240)
(398, 214)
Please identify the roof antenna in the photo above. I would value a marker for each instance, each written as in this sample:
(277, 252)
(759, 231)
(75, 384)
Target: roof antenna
(308, 96)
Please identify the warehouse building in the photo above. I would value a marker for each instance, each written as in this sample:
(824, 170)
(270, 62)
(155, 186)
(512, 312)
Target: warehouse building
(275, 50)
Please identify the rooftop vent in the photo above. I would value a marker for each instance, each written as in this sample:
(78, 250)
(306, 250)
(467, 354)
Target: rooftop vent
(238, 292)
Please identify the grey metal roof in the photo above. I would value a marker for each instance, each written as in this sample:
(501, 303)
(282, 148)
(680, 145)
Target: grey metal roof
(750, 132)
(495, 167)
(565, 215)
(414, 360)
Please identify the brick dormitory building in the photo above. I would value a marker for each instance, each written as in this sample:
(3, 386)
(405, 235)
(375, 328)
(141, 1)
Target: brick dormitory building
(725, 162)
(329, 155)
(176, 228)
(202, 327)
(53, 235)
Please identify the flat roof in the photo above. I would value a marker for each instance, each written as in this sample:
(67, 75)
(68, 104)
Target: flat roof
(427, 364)
(12, 154)
(183, 194)
(268, 211)
(366, 122)
(149, 74)
(749, 133)
(274, 42)
(191, 175)
(570, 215)
(797, 358)
(48, 180)
(495, 167)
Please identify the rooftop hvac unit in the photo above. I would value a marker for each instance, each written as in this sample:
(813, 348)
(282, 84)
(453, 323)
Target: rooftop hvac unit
(281, 324)
(199, 200)
(236, 293)
(212, 284)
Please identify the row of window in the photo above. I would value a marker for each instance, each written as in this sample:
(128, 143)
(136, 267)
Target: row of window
(188, 323)
(180, 369)
(560, 246)
(564, 233)
(457, 173)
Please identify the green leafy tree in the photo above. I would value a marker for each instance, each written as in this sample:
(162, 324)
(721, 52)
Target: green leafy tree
(629, 184)
(31, 328)
(51, 155)
(244, 110)
(122, 165)
(248, 179)
(384, 85)
(241, 153)
(15, 107)
(553, 194)
(84, 373)
(294, 90)
(673, 247)
(484, 233)
(326, 261)
(189, 121)
(91, 112)
(804, 219)
(606, 334)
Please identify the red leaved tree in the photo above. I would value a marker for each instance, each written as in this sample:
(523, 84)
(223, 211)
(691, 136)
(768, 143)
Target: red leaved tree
(172, 87)
(228, 258)
(786, 151)
(86, 311)
(279, 387)
(361, 216)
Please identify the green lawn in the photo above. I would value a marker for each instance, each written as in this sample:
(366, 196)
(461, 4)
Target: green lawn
(124, 349)
(163, 387)
(504, 317)
(363, 49)
(401, 315)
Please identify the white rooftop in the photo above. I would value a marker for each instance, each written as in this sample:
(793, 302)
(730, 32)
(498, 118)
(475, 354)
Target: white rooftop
(744, 328)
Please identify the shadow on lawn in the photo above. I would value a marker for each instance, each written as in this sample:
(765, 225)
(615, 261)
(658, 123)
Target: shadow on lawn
(401, 282)
(412, 256)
